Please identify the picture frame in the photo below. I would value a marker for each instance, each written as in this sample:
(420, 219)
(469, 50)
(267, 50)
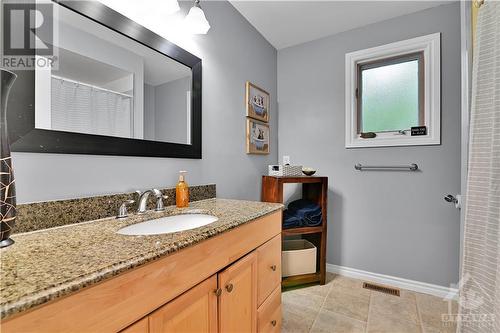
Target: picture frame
(257, 102)
(258, 137)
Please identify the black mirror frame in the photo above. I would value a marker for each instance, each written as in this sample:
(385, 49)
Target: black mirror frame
(26, 138)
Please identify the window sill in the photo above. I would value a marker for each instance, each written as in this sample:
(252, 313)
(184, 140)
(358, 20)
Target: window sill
(403, 140)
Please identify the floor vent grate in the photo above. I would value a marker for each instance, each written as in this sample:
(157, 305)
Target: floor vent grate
(382, 289)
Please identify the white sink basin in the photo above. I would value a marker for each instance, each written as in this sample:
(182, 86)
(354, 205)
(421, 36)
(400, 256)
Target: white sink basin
(169, 224)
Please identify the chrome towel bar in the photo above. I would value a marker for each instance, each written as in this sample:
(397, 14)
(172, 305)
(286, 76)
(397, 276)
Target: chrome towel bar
(411, 167)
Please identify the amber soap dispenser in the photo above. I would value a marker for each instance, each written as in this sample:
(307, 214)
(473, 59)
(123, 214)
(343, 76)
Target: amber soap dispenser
(182, 191)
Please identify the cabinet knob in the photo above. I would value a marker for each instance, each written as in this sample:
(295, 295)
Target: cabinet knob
(229, 287)
(273, 322)
(218, 292)
(273, 267)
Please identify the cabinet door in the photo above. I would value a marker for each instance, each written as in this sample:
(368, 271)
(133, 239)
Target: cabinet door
(194, 311)
(141, 326)
(238, 301)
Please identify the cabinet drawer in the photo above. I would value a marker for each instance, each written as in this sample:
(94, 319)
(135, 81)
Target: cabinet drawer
(269, 268)
(269, 313)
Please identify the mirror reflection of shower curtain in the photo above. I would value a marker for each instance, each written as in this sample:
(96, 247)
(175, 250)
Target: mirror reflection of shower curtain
(82, 108)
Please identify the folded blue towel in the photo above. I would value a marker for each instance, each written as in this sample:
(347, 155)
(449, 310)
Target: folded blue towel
(290, 220)
(302, 213)
(303, 204)
(313, 220)
(304, 209)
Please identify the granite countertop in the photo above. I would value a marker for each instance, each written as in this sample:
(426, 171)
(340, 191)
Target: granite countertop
(47, 264)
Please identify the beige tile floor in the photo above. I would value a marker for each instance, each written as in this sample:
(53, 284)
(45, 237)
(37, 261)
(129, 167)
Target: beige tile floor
(342, 305)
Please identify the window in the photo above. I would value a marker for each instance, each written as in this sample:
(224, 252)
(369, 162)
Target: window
(390, 90)
(389, 94)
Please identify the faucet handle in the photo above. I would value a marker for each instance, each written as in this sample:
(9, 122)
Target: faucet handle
(159, 200)
(122, 211)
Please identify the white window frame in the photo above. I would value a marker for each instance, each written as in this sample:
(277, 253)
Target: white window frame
(430, 45)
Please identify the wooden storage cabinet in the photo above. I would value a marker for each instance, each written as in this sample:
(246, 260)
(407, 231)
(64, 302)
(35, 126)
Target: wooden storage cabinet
(314, 189)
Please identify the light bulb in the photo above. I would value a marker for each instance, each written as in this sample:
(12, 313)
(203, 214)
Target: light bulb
(195, 21)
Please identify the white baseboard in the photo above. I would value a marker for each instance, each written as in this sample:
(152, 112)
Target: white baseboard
(421, 287)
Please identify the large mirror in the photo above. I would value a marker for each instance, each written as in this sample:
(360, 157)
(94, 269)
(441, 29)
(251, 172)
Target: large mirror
(116, 88)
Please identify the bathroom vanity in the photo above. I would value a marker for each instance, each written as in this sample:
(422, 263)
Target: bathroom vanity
(222, 277)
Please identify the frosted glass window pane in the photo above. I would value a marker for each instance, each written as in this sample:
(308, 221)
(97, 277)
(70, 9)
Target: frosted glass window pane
(390, 97)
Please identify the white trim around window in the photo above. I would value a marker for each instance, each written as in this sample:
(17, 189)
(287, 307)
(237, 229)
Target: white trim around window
(430, 46)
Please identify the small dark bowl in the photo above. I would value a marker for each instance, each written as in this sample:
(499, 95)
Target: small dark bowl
(308, 172)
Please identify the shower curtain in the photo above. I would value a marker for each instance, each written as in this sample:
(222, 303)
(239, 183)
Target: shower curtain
(85, 109)
(480, 282)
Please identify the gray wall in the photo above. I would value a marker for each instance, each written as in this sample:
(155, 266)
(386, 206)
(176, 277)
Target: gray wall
(394, 223)
(232, 53)
(171, 111)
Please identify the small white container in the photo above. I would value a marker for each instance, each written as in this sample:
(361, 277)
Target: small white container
(285, 170)
(298, 257)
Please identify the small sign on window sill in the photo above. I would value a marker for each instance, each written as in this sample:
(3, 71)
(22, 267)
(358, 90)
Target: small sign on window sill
(418, 130)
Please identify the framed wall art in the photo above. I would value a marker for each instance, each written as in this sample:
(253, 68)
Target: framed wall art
(257, 102)
(258, 134)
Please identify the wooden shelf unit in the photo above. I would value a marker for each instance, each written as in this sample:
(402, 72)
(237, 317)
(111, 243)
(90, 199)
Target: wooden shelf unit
(316, 190)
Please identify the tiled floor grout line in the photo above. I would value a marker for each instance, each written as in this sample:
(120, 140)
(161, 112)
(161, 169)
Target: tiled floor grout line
(369, 311)
(340, 314)
(321, 307)
(419, 315)
(344, 316)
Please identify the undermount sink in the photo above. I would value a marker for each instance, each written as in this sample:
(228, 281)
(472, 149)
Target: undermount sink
(169, 224)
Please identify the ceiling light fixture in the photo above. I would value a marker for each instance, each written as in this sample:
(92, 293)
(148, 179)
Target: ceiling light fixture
(195, 20)
(142, 11)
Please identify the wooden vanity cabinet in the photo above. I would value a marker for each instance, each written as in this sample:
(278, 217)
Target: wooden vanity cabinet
(227, 306)
(193, 311)
(228, 301)
(228, 283)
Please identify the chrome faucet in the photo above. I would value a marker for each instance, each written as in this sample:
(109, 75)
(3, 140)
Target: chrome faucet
(143, 201)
